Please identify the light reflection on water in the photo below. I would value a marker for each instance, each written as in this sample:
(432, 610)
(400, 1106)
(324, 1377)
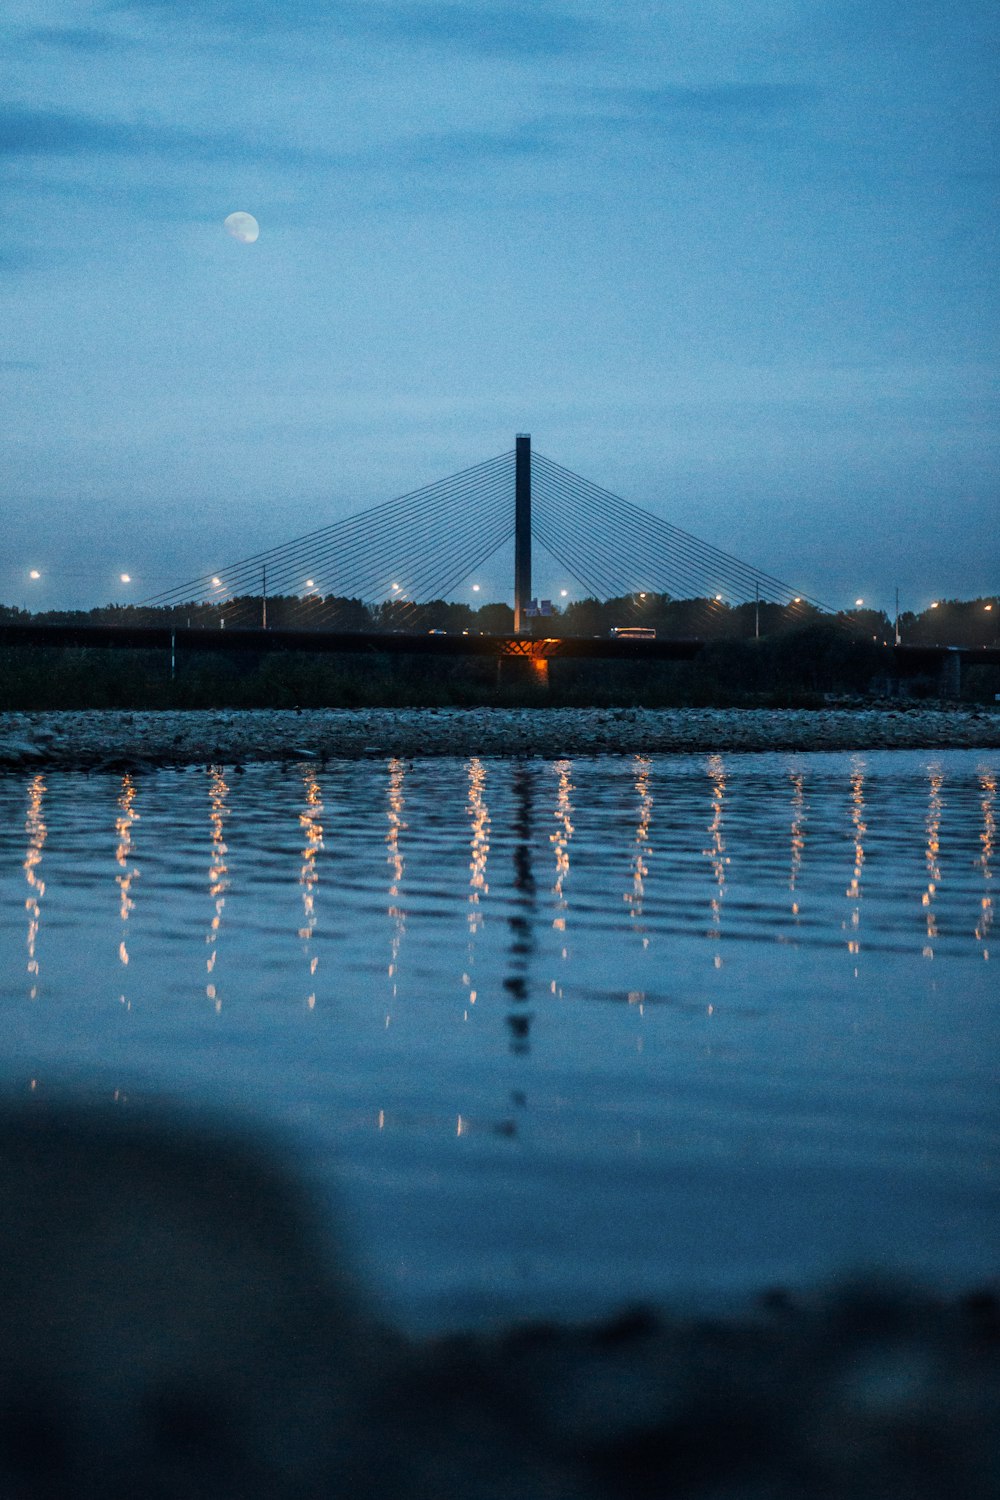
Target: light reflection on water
(988, 786)
(397, 864)
(716, 851)
(128, 872)
(798, 841)
(218, 875)
(859, 829)
(643, 848)
(933, 823)
(577, 1030)
(479, 853)
(312, 830)
(34, 826)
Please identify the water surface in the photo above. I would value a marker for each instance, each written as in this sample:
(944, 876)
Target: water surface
(563, 1033)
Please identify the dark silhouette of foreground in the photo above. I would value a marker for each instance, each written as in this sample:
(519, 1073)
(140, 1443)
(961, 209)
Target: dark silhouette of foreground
(175, 1322)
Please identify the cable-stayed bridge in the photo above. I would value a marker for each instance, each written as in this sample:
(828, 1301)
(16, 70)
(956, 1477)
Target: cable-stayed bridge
(423, 545)
(420, 546)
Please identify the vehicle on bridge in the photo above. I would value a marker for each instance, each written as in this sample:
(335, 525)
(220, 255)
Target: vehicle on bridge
(632, 633)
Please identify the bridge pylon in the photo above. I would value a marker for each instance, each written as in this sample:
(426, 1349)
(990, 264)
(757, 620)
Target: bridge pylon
(522, 532)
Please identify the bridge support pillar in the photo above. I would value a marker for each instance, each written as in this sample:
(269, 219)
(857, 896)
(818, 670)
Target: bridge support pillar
(527, 675)
(950, 683)
(522, 532)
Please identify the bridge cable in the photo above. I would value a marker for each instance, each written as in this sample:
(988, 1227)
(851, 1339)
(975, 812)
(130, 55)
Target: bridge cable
(645, 517)
(381, 512)
(340, 542)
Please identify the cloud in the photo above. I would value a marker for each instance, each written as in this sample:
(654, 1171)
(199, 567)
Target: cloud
(490, 29)
(725, 103)
(919, 24)
(44, 132)
(76, 38)
(472, 146)
(517, 30)
(40, 132)
(724, 112)
(728, 100)
(28, 132)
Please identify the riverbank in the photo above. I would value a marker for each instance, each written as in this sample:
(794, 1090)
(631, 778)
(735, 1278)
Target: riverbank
(111, 739)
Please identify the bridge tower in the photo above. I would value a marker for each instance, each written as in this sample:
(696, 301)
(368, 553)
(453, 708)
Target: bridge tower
(522, 532)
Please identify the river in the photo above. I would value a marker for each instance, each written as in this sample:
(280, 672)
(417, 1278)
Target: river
(554, 1035)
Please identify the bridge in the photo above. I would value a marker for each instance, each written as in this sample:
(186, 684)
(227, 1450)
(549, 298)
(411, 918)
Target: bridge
(422, 545)
(944, 662)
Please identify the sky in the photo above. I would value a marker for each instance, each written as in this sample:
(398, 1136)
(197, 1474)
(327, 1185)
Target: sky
(733, 261)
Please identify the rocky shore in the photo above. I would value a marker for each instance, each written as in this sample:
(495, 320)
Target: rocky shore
(121, 739)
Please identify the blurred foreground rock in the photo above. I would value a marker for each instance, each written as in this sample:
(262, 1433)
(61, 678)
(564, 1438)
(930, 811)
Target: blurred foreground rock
(172, 1320)
(176, 1323)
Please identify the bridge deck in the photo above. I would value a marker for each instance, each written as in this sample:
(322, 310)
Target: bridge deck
(193, 638)
(906, 660)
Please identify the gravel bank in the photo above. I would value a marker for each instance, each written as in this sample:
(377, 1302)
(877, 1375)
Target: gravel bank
(113, 739)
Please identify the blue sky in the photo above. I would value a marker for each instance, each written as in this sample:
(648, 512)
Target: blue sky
(735, 262)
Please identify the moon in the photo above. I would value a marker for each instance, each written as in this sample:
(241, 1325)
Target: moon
(242, 227)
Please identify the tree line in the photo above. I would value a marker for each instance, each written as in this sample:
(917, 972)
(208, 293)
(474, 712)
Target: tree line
(948, 622)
